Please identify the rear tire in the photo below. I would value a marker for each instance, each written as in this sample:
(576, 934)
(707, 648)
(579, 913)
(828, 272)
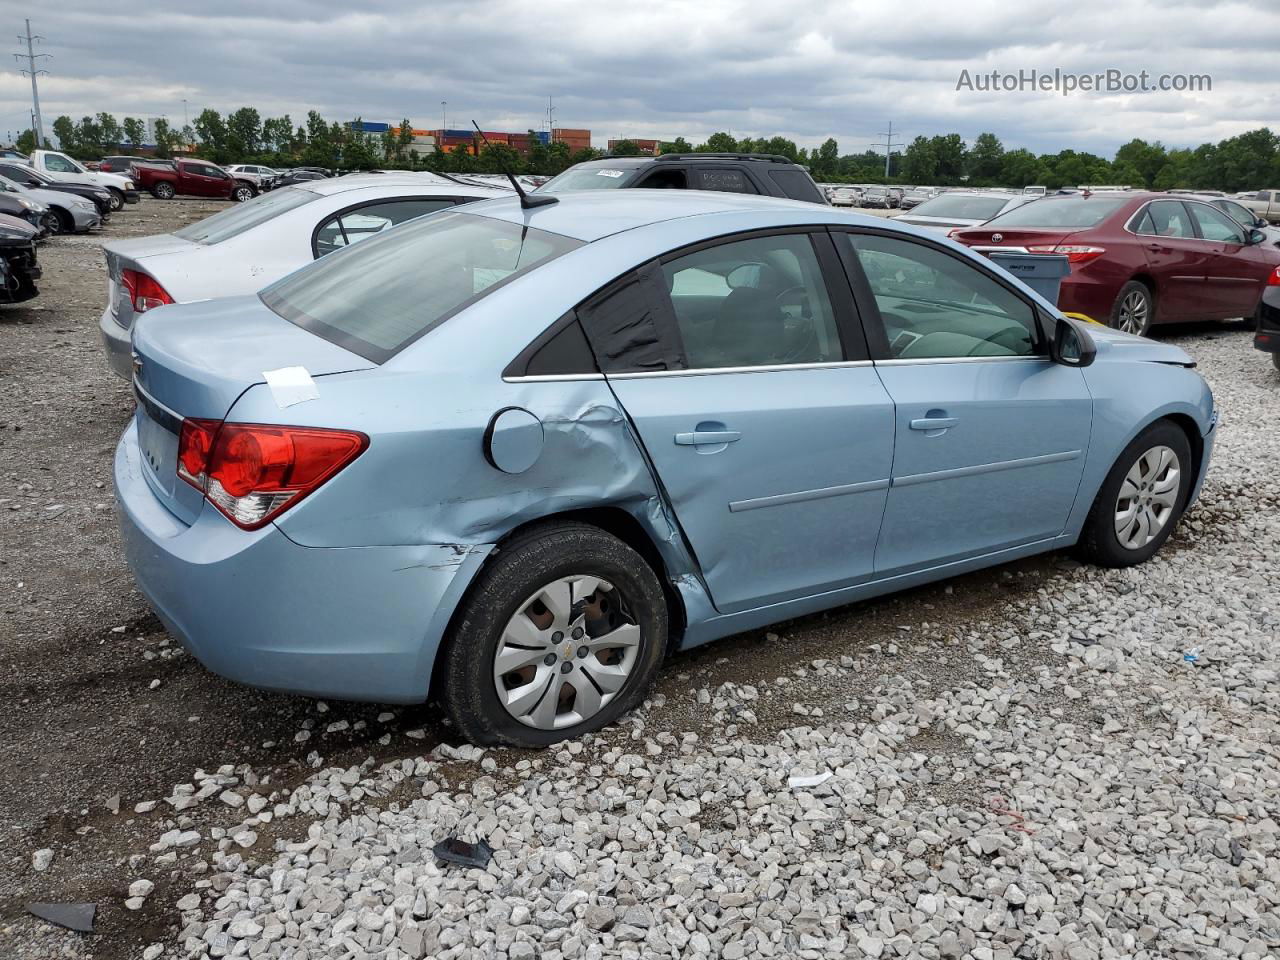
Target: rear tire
(163, 191)
(503, 614)
(117, 198)
(243, 193)
(1139, 489)
(1135, 309)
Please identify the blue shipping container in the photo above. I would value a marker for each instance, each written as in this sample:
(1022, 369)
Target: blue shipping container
(368, 126)
(459, 134)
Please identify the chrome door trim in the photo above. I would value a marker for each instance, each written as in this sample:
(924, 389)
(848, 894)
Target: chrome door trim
(981, 468)
(767, 368)
(897, 362)
(756, 503)
(553, 377)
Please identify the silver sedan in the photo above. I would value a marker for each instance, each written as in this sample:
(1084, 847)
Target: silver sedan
(67, 213)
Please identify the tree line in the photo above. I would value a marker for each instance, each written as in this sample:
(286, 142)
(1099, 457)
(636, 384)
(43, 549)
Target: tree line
(1248, 161)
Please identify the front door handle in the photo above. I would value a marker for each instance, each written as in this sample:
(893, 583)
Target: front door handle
(933, 423)
(700, 437)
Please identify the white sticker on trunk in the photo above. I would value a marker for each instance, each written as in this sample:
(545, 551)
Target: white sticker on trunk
(609, 173)
(290, 385)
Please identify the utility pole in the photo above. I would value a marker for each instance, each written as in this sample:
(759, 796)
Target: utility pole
(444, 116)
(888, 145)
(550, 120)
(31, 57)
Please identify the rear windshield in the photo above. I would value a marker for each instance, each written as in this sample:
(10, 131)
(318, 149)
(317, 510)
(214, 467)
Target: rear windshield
(961, 206)
(244, 216)
(377, 297)
(589, 178)
(1062, 212)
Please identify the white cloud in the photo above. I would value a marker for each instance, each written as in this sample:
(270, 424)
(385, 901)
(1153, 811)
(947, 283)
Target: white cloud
(806, 69)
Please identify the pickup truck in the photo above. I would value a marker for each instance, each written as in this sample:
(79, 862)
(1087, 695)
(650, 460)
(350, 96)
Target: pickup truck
(1265, 203)
(192, 178)
(62, 167)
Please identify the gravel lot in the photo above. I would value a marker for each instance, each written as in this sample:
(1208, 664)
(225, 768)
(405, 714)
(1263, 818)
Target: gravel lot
(1022, 762)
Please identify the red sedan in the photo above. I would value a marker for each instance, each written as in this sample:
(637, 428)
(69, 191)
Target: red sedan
(1139, 259)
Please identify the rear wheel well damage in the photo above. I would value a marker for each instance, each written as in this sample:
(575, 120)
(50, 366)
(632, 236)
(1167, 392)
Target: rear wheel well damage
(612, 520)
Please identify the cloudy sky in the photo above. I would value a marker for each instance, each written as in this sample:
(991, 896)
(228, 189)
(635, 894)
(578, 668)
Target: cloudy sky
(807, 69)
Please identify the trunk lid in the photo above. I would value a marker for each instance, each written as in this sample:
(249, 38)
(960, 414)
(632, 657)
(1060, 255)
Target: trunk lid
(195, 360)
(133, 255)
(1014, 240)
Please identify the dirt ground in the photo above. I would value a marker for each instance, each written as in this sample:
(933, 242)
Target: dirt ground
(83, 731)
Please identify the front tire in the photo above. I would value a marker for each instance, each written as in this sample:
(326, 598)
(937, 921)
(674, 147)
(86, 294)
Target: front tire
(561, 634)
(1141, 500)
(163, 191)
(1135, 309)
(117, 198)
(1275, 360)
(242, 193)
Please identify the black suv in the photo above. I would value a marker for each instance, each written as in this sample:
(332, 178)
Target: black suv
(759, 173)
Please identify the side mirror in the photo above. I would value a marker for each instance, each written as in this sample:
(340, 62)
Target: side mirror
(1072, 346)
(1256, 237)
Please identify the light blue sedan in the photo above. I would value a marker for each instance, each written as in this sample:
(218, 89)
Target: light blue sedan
(511, 456)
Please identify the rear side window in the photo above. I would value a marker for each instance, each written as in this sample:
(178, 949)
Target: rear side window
(352, 226)
(1073, 212)
(797, 185)
(1165, 218)
(725, 181)
(377, 297)
(244, 216)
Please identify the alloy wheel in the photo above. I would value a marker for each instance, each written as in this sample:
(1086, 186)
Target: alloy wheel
(1147, 497)
(566, 653)
(1134, 312)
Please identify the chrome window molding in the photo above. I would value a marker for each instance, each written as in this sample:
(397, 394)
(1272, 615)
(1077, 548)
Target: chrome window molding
(553, 377)
(766, 368)
(899, 361)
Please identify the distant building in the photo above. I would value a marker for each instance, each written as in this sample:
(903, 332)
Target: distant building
(426, 140)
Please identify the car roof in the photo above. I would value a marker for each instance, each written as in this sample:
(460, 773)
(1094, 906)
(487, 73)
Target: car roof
(590, 215)
(334, 185)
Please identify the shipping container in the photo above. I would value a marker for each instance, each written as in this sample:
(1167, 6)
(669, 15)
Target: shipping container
(369, 126)
(567, 133)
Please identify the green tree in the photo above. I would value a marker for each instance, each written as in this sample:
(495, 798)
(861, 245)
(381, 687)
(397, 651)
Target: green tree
(718, 143)
(678, 145)
(499, 158)
(920, 161)
(65, 130)
(585, 154)
(277, 134)
(135, 131)
(212, 131)
(164, 138)
(244, 134)
(951, 155)
(825, 162)
(624, 148)
(26, 141)
(986, 158)
(110, 130)
(1141, 161)
(1020, 168)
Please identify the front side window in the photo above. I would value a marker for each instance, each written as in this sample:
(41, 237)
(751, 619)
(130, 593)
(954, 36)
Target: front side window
(1165, 218)
(756, 302)
(936, 306)
(1239, 214)
(377, 297)
(352, 226)
(1216, 225)
(60, 164)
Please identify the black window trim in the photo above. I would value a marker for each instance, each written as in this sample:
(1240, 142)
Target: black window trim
(869, 309)
(844, 305)
(315, 233)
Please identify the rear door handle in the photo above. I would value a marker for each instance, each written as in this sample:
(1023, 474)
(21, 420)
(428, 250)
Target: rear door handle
(698, 437)
(933, 423)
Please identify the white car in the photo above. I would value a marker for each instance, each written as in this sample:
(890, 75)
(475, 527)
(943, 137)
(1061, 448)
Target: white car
(68, 213)
(62, 167)
(961, 208)
(261, 177)
(245, 247)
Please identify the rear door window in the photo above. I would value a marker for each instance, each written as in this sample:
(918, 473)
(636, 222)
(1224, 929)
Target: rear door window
(723, 179)
(1166, 218)
(379, 296)
(352, 226)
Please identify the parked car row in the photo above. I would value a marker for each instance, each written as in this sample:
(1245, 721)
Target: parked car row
(560, 425)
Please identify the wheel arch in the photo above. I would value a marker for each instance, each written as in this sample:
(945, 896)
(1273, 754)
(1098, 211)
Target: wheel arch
(612, 519)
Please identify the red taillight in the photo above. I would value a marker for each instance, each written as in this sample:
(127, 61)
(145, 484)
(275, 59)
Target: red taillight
(145, 291)
(1076, 254)
(1274, 279)
(253, 472)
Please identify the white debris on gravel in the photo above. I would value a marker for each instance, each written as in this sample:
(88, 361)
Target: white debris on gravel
(1053, 781)
(41, 860)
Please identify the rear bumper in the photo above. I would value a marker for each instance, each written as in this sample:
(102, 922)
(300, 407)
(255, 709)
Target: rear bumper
(1079, 294)
(1267, 335)
(356, 623)
(117, 343)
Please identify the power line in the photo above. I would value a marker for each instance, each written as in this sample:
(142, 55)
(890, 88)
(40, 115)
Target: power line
(32, 71)
(888, 147)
